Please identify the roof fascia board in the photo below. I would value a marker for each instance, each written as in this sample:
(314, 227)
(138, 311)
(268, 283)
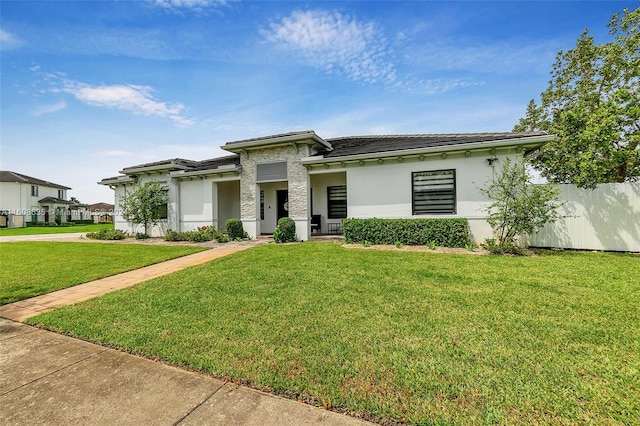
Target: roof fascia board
(232, 168)
(156, 168)
(118, 181)
(237, 147)
(474, 146)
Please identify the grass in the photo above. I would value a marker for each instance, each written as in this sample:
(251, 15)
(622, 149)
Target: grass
(422, 338)
(33, 268)
(37, 230)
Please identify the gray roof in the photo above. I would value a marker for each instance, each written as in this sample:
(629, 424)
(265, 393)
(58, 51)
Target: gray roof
(355, 145)
(54, 200)
(174, 161)
(8, 176)
(281, 135)
(214, 163)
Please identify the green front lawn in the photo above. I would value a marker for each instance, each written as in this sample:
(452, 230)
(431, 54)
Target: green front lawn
(398, 336)
(36, 230)
(33, 268)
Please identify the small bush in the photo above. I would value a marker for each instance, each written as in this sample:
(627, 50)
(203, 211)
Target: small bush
(141, 236)
(58, 219)
(285, 231)
(495, 247)
(235, 230)
(108, 234)
(172, 235)
(83, 222)
(452, 232)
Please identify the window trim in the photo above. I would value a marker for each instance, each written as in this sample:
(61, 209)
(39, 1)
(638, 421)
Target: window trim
(454, 191)
(340, 202)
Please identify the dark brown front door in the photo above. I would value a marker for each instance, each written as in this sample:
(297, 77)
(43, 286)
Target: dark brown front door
(282, 197)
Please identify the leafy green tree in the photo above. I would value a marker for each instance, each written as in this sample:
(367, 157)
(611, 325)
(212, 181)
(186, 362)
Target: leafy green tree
(145, 204)
(592, 105)
(518, 208)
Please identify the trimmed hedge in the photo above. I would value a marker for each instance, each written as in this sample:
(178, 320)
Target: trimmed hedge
(452, 232)
(285, 231)
(235, 230)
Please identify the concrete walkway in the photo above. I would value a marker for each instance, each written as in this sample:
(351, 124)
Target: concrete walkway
(47, 378)
(20, 311)
(42, 237)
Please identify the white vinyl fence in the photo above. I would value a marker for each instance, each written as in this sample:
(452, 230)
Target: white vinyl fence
(606, 218)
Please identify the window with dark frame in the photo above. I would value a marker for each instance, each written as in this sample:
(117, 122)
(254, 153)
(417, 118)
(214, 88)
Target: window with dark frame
(34, 190)
(261, 205)
(164, 209)
(433, 192)
(61, 194)
(337, 202)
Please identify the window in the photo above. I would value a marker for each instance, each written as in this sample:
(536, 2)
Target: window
(337, 202)
(164, 210)
(34, 190)
(261, 205)
(61, 194)
(434, 192)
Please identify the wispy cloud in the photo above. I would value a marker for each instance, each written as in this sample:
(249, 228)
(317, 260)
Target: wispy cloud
(9, 41)
(136, 99)
(336, 43)
(48, 109)
(198, 6)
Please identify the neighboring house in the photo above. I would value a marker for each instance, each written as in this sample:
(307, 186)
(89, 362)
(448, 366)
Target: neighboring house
(101, 212)
(322, 181)
(27, 199)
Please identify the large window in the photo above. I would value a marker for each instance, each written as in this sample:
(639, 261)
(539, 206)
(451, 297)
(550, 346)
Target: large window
(434, 192)
(164, 209)
(337, 202)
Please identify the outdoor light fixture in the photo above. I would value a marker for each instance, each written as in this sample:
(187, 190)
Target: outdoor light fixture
(492, 160)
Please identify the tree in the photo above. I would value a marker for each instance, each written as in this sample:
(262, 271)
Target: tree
(592, 105)
(518, 208)
(145, 204)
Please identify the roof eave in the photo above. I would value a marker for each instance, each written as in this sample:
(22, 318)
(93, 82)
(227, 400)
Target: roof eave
(153, 169)
(221, 170)
(530, 142)
(120, 180)
(239, 147)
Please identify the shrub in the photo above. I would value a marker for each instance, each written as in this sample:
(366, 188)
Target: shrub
(172, 235)
(141, 236)
(83, 222)
(451, 232)
(505, 247)
(108, 234)
(235, 230)
(58, 219)
(285, 231)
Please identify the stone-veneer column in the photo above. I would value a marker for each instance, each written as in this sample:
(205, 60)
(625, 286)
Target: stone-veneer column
(298, 187)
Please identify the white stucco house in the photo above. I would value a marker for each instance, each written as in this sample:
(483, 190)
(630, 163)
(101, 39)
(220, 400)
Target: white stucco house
(27, 199)
(318, 182)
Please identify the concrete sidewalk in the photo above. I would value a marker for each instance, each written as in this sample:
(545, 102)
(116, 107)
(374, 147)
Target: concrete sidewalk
(42, 237)
(47, 378)
(23, 309)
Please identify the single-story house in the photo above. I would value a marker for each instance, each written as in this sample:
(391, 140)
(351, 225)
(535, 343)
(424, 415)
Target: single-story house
(101, 212)
(318, 182)
(27, 199)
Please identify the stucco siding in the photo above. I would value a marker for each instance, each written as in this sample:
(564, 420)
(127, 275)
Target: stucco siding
(384, 190)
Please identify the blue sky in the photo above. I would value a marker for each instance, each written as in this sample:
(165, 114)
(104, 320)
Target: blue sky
(89, 87)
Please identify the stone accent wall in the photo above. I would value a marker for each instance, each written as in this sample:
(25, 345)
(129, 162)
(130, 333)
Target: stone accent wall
(297, 178)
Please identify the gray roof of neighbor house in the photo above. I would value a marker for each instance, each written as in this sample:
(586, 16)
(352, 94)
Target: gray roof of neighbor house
(101, 207)
(355, 145)
(9, 176)
(54, 200)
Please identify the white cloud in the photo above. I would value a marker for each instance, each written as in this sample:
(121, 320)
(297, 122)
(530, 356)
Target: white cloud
(9, 41)
(48, 109)
(336, 43)
(136, 99)
(436, 86)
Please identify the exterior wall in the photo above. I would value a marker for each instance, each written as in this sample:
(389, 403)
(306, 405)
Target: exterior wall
(384, 190)
(298, 186)
(16, 198)
(268, 225)
(196, 201)
(228, 202)
(606, 218)
(172, 207)
(319, 184)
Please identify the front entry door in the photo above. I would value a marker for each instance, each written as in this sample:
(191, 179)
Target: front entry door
(282, 197)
